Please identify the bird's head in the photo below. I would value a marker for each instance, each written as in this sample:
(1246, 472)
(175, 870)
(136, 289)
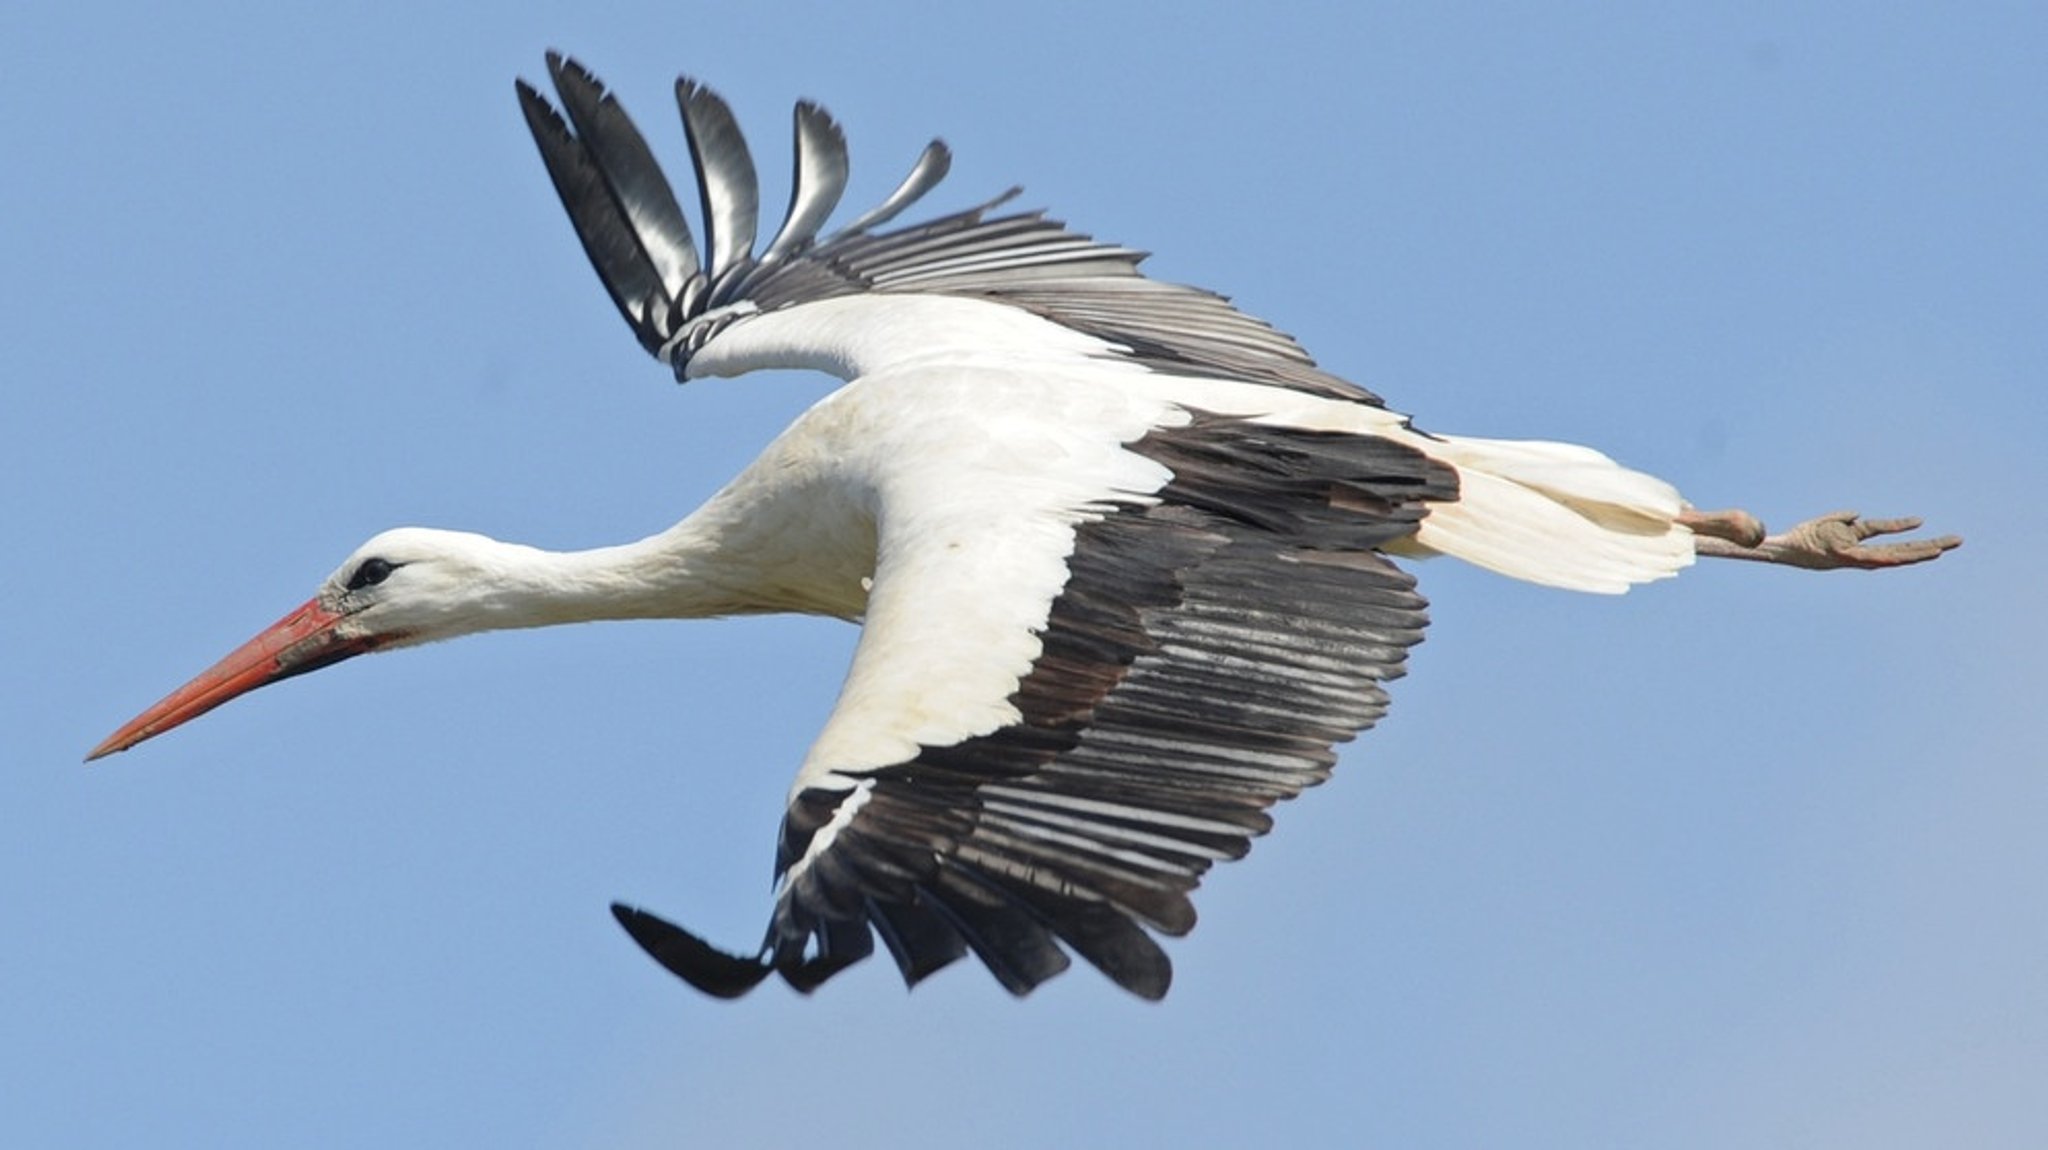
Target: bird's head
(405, 586)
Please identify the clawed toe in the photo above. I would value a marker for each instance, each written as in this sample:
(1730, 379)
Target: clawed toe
(1901, 554)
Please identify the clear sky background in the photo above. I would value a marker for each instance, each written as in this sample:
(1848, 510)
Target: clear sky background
(1752, 858)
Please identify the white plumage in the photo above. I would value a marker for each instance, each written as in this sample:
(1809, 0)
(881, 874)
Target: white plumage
(1119, 551)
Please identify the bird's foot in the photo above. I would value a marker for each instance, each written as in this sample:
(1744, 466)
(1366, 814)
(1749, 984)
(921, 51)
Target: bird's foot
(1826, 543)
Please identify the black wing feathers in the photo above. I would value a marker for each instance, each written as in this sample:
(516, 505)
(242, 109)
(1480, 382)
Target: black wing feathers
(634, 231)
(641, 193)
(726, 183)
(1206, 654)
(608, 239)
(931, 167)
(816, 185)
(687, 957)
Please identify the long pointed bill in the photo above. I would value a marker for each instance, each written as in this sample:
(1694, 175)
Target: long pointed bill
(305, 640)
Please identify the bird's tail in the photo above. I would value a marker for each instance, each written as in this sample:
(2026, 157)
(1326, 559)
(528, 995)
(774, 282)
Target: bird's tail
(1557, 514)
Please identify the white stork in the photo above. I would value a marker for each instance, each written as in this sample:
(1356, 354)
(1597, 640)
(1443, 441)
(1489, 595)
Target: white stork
(1120, 554)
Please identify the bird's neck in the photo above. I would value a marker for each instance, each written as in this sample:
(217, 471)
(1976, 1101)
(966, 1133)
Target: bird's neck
(628, 581)
(692, 571)
(653, 578)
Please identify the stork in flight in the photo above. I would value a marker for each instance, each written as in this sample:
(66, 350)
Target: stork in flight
(1121, 554)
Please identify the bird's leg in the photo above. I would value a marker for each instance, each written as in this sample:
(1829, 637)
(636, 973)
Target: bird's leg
(1732, 526)
(1821, 544)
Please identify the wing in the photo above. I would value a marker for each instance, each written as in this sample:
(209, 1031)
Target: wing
(1206, 646)
(628, 216)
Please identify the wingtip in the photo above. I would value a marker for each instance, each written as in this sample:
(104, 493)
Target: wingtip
(558, 61)
(805, 107)
(688, 957)
(569, 73)
(1148, 979)
(542, 118)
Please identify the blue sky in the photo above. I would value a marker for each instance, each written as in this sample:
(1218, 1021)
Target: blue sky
(1751, 858)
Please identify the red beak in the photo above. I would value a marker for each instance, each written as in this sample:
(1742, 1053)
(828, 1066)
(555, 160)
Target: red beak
(305, 640)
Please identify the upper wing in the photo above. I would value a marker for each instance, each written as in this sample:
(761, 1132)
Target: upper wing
(1204, 651)
(636, 235)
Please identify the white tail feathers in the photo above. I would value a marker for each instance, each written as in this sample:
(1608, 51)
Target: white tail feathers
(1555, 513)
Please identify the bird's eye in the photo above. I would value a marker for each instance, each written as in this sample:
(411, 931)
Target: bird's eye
(371, 573)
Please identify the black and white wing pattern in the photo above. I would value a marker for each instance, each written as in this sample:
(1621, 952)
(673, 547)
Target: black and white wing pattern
(676, 300)
(1208, 648)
